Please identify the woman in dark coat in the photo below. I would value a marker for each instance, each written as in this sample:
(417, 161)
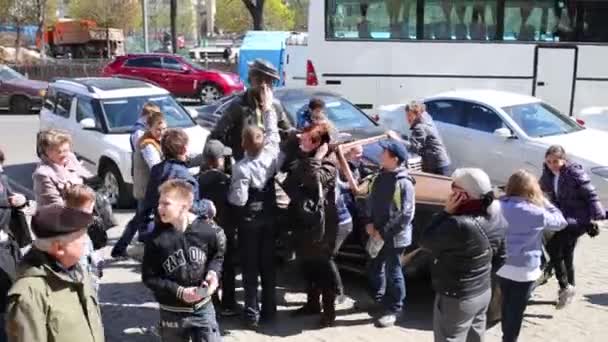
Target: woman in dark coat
(315, 165)
(569, 187)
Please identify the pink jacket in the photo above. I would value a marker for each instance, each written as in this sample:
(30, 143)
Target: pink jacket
(50, 179)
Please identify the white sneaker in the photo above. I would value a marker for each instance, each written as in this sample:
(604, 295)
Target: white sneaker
(387, 321)
(565, 297)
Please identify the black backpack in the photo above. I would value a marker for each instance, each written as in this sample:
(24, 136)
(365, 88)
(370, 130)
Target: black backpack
(311, 213)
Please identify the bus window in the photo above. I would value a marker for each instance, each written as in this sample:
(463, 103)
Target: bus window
(371, 19)
(592, 16)
(460, 20)
(530, 20)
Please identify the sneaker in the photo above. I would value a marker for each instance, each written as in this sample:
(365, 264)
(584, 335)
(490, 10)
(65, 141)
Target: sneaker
(565, 297)
(341, 299)
(387, 320)
(119, 254)
(229, 311)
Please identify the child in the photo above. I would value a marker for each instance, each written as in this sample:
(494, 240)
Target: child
(390, 212)
(174, 147)
(140, 125)
(528, 213)
(182, 263)
(314, 112)
(252, 191)
(214, 184)
(82, 197)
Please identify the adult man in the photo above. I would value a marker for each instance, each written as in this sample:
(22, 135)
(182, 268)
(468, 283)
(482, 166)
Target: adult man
(53, 299)
(246, 109)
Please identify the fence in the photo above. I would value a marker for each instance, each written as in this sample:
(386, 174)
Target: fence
(80, 68)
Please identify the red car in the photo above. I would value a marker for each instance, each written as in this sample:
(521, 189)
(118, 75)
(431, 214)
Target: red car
(176, 74)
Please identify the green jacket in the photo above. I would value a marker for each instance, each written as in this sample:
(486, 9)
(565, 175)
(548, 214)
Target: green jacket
(46, 304)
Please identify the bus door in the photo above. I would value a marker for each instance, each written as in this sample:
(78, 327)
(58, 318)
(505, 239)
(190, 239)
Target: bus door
(555, 75)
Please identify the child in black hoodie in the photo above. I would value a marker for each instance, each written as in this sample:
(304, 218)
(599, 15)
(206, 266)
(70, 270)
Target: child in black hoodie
(182, 263)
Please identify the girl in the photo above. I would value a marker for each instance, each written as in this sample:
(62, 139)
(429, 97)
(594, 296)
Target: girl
(569, 188)
(527, 212)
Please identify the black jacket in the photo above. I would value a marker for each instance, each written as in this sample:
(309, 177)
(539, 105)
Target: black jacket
(175, 260)
(464, 256)
(240, 114)
(426, 141)
(5, 206)
(214, 186)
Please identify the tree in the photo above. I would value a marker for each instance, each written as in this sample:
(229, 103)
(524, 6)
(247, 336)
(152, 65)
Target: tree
(256, 10)
(20, 13)
(123, 14)
(233, 16)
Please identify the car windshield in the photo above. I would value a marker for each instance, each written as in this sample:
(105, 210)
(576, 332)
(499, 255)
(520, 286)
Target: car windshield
(541, 120)
(7, 74)
(344, 115)
(121, 114)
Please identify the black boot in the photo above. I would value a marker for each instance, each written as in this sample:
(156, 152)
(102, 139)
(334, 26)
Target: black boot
(313, 304)
(328, 317)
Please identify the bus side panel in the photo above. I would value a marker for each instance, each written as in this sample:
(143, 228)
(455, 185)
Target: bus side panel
(592, 79)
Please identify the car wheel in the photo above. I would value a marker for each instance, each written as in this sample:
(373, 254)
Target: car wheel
(210, 93)
(114, 187)
(20, 105)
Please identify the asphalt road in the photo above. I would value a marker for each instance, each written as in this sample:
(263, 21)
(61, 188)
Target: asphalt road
(129, 310)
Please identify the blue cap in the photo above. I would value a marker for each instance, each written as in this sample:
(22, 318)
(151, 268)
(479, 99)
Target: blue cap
(396, 148)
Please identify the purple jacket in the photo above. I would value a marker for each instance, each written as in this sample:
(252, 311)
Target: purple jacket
(576, 196)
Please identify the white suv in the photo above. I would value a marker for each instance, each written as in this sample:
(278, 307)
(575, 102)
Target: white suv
(100, 113)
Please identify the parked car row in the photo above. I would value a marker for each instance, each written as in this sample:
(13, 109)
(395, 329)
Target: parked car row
(18, 93)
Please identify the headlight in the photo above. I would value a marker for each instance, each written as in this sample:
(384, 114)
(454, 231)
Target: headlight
(42, 92)
(600, 171)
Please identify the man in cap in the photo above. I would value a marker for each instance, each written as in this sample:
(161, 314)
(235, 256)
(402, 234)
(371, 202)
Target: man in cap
(52, 298)
(249, 108)
(389, 216)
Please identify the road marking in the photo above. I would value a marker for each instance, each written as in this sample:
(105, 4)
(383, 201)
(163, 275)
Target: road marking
(21, 188)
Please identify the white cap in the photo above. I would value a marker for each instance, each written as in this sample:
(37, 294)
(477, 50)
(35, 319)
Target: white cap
(475, 182)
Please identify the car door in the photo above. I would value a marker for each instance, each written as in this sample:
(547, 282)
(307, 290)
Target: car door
(178, 77)
(499, 156)
(4, 94)
(148, 67)
(88, 141)
(449, 118)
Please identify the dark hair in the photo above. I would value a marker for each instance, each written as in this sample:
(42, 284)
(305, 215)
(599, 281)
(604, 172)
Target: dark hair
(174, 143)
(316, 103)
(1, 157)
(557, 151)
(319, 132)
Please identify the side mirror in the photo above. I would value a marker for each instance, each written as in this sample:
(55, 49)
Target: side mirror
(88, 123)
(185, 69)
(504, 133)
(193, 112)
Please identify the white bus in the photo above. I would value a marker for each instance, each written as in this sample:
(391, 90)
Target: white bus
(379, 52)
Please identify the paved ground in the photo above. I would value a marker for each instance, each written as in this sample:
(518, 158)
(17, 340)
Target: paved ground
(128, 308)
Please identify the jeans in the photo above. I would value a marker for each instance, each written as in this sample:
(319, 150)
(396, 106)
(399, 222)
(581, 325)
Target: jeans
(344, 230)
(257, 247)
(229, 270)
(386, 278)
(199, 326)
(460, 320)
(561, 251)
(515, 297)
(136, 223)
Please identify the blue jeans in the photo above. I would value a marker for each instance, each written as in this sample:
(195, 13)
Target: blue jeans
(136, 223)
(515, 297)
(387, 282)
(199, 326)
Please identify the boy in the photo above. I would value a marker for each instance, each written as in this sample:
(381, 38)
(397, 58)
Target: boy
(390, 212)
(252, 192)
(182, 263)
(82, 197)
(214, 184)
(313, 113)
(174, 147)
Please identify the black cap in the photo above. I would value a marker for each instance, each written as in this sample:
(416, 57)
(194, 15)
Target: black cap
(56, 220)
(265, 67)
(397, 148)
(215, 149)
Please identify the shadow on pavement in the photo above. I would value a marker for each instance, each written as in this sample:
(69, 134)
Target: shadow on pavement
(598, 299)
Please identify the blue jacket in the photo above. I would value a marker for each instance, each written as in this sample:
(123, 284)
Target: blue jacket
(526, 222)
(166, 170)
(396, 227)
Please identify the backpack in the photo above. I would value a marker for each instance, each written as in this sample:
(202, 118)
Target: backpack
(311, 213)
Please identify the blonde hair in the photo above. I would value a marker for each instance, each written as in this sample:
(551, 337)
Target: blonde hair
(154, 118)
(51, 138)
(149, 108)
(416, 107)
(524, 184)
(180, 187)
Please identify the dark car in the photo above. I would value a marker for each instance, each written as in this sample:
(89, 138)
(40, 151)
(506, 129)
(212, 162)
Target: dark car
(18, 93)
(177, 74)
